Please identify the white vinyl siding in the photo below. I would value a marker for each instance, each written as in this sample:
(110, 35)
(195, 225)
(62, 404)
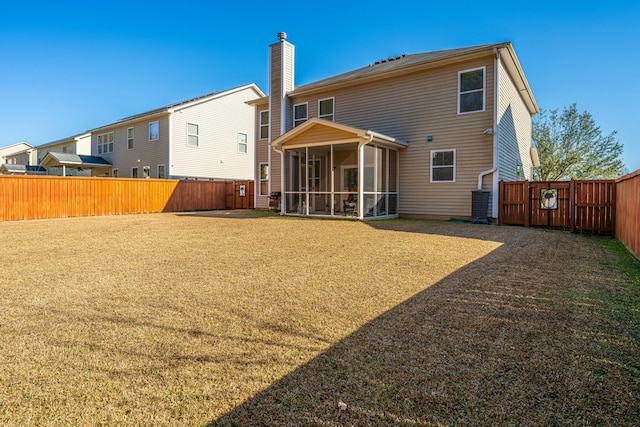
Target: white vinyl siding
(217, 155)
(514, 131)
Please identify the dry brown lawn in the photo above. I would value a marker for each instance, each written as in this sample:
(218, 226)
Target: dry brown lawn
(227, 318)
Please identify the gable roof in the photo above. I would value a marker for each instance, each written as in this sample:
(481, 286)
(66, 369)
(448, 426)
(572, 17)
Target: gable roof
(316, 131)
(183, 104)
(416, 62)
(62, 140)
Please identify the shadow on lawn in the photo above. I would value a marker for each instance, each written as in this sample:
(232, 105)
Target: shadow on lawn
(495, 343)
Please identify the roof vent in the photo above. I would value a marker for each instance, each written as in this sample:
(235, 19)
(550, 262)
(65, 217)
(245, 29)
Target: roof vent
(282, 36)
(382, 61)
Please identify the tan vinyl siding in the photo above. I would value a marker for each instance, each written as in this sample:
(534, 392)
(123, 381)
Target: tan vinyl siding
(219, 121)
(279, 83)
(412, 107)
(262, 156)
(514, 130)
(150, 153)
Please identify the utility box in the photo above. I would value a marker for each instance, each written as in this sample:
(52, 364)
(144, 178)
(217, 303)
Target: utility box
(480, 206)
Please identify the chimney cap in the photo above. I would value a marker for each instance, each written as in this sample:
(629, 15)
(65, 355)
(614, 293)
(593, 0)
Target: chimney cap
(282, 36)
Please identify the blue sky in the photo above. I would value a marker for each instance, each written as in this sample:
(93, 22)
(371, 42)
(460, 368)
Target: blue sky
(70, 66)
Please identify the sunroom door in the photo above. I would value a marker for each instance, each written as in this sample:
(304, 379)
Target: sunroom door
(312, 184)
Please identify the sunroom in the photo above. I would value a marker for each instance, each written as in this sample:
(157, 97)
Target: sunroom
(333, 170)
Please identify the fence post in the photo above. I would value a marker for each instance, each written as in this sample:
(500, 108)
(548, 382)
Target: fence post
(500, 200)
(572, 195)
(527, 203)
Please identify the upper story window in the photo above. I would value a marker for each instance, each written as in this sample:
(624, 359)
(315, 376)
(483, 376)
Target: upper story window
(326, 109)
(154, 131)
(443, 165)
(130, 134)
(242, 143)
(300, 114)
(105, 143)
(264, 124)
(193, 135)
(471, 90)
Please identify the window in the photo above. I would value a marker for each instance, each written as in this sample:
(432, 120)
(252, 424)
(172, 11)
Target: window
(130, 135)
(146, 171)
(471, 90)
(242, 143)
(193, 135)
(325, 109)
(115, 173)
(64, 149)
(443, 165)
(105, 143)
(264, 124)
(300, 114)
(154, 131)
(134, 172)
(264, 179)
(161, 174)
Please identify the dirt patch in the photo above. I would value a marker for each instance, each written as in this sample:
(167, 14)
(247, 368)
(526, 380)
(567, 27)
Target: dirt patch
(240, 318)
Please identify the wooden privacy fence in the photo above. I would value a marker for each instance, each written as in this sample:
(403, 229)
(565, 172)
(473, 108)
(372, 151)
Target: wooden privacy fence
(627, 226)
(582, 206)
(37, 197)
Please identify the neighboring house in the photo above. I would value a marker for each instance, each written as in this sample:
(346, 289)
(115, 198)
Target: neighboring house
(207, 137)
(72, 157)
(21, 153)
(413, 135)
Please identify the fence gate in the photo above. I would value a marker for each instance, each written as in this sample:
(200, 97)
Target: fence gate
(577, 206)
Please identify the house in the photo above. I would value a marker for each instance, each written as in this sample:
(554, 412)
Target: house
(21, 153)
(201, 138)
(71, 156)
(414, 135)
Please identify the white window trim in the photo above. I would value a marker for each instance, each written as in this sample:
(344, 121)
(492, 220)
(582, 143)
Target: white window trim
(196, 135)
(260, 125)
(484, 89)
(148, 170)
(333, 114)
(260, 179)
(132, 138)
(150, 123)
(246, 138)
(115, 172)
(158, 171)
(305, 118)
(431, 165)
(103, 147)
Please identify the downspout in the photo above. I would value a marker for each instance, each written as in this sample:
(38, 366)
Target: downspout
(169, 147)
(495, 121)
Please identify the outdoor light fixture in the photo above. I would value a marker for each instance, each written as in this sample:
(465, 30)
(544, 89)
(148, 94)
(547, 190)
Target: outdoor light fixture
(488, 131)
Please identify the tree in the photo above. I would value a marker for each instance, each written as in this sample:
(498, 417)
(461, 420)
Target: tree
(571, 145)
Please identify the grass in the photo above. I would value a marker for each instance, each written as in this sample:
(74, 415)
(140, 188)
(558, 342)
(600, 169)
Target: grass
(227, 318)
